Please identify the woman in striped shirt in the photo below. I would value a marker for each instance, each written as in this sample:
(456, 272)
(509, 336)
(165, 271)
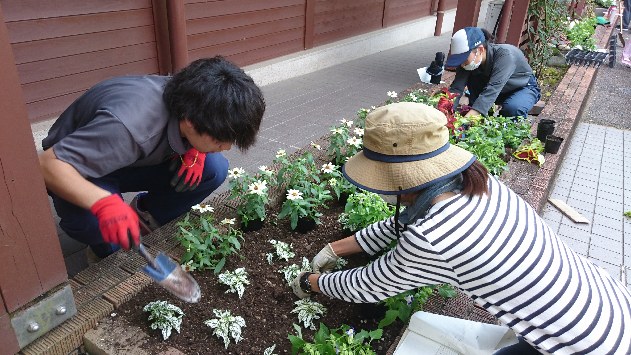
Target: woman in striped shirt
(465, 228)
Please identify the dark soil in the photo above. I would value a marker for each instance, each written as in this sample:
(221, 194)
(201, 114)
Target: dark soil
(267, 302)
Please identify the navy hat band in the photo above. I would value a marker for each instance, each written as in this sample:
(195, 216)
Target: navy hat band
(372, 155)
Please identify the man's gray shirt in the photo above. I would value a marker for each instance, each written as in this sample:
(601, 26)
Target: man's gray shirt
(120, 122)
(506, 70)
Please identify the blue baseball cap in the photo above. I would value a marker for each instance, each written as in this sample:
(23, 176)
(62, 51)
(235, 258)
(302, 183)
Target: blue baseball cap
(462, 43)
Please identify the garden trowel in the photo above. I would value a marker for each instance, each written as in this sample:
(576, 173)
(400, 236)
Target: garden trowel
(170, 275)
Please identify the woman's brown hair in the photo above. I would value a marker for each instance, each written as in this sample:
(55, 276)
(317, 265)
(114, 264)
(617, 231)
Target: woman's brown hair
(475, 180)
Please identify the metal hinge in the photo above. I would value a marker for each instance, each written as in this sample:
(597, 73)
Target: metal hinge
(42, 316)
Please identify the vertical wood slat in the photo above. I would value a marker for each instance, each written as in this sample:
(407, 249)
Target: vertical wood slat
(386, 17)
(517, 20)
(8, 341)
(31, 262)
(163, 48)
(309, 23)
(177, 34)
(466, 14)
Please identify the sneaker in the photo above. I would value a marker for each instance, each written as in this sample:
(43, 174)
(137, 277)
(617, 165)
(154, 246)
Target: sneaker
(147, 223)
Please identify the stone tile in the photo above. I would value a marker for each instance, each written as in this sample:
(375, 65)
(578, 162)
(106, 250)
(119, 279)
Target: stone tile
(606, 194)
(606, 211)
(577, 246)
(575, 232)
(613, 270)
(581, 204)
(605, 231)
(582, 196)
(606, 243)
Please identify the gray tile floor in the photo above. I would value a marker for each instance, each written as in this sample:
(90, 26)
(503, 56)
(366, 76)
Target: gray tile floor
(592, 181)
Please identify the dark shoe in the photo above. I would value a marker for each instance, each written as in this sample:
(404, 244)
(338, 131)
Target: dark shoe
(147, 223)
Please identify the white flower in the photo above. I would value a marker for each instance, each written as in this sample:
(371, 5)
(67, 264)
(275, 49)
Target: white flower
(294, 194)
(230, 221)
(359, 131)
(354, 141)
(257, 187)
(235, 173)
(392, 94)
(316, 146)
(413, 97)
(328, 168)
(203, 208)
(350, 332)
(333, 182)
(373, 107)
(349, 123)
(263, 168)
(280, 153)
(344, 121)
(337, 130)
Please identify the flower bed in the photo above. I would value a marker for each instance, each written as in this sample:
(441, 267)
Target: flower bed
(262, 310)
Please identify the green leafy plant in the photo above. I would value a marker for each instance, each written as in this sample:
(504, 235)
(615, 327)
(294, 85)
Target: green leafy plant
(305, 201)
(235, 280)
(252, 192)
(226, 325)
(164, 316)
(339, 341)
(308, 311)
(206, 247)
(364, 208)
(546, 25)
(580, 33)
(345, 140)
(403, 305)
(296, 172)
(627, 214)
(336, 182)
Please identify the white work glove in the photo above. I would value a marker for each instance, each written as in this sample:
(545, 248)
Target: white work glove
(295, 286)
(325, 260)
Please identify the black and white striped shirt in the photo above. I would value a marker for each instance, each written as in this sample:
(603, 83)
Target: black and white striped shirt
(503, 255)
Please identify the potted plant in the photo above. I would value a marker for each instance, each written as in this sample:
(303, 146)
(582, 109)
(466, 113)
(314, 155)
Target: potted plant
(252, 192)
(341, 187)
(344, 142)
(303, 204)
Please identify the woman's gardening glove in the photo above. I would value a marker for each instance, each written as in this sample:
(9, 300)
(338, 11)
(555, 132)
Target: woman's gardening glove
(189, 174)
(325, 261)
(301, 286)
(117, 221)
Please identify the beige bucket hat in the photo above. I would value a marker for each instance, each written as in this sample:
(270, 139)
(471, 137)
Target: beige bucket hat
(406, 148)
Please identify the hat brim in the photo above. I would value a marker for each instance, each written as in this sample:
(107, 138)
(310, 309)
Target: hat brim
(390, 178)
(455, 60)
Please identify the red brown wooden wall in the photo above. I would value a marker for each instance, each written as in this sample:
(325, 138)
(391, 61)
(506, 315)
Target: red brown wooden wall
(62, 48)
(244, 31)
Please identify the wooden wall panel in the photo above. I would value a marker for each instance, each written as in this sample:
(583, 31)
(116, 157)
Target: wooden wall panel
(31, 262)
(336, 20)
(64, 47)
(452, 4)
(399, 11)
(244, 31)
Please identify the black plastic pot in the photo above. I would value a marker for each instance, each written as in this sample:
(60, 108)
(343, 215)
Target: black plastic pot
(553, 143)
(343, 198)
(545, 127)
(252, 225)
(305, 224)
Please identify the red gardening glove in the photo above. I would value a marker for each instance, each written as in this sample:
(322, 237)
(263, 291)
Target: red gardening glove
(189, 174)
(117, 221)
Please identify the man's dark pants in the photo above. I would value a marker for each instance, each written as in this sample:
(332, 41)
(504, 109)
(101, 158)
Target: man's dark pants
(161, 200)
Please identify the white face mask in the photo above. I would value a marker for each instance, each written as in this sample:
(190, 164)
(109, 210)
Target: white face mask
(473, 65)
(390, 199)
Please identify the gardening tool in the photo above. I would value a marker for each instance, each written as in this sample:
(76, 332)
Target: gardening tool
(620, 12)
(170, 275)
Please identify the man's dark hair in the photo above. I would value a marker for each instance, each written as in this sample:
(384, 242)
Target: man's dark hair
(219, 99)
